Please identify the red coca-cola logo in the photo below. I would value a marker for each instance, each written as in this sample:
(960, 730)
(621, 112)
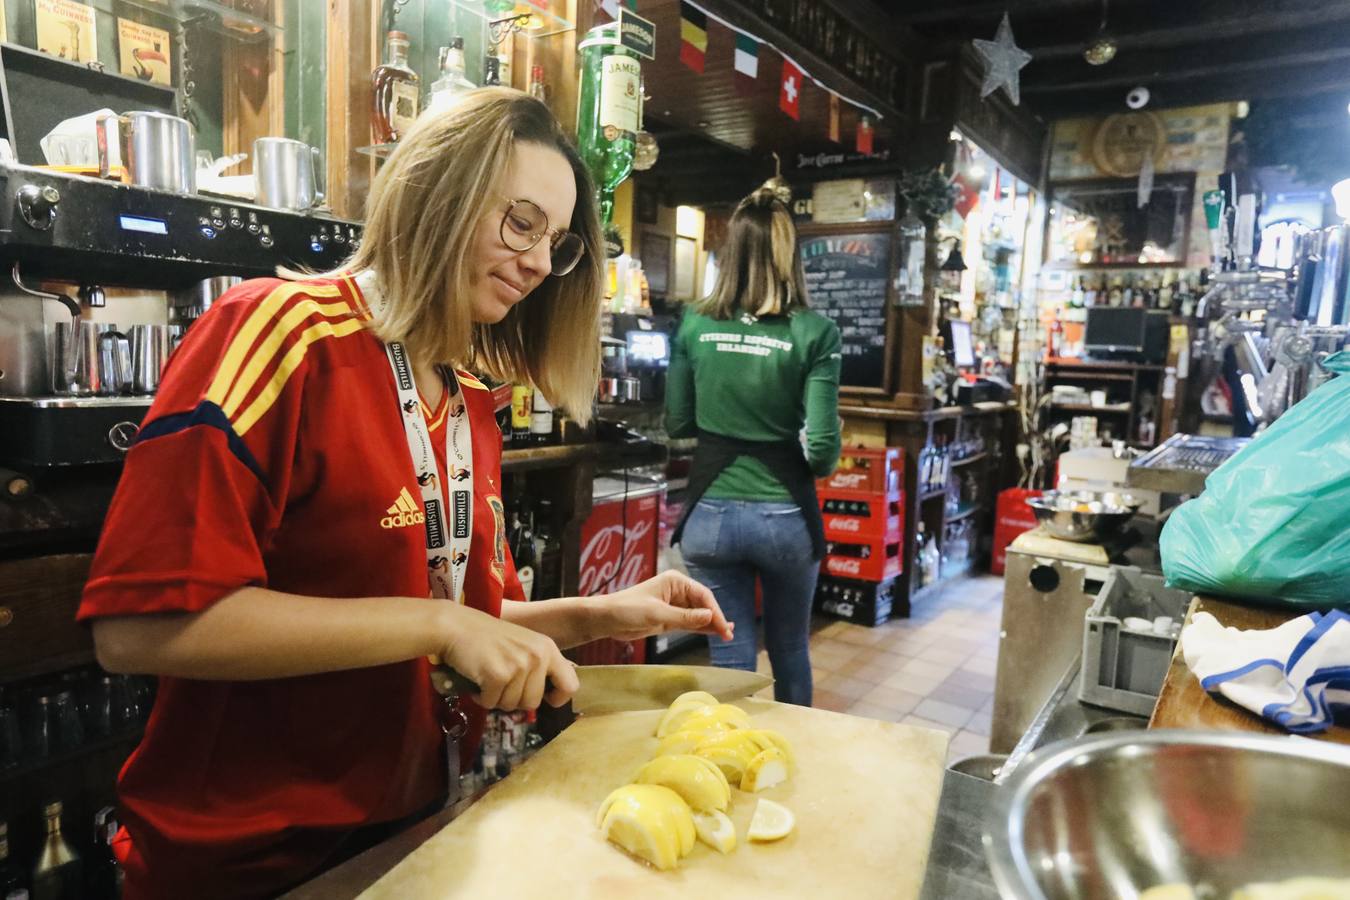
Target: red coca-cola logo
(843, 523)
(614, 559)
(843, 566)
(849, 480)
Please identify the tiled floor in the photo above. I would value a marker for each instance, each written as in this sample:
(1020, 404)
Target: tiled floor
(934, 669)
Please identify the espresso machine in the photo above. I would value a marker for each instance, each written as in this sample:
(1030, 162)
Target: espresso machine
(73, 389)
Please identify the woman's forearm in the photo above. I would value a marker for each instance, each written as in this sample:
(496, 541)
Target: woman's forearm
(256, 633)
(569, 621)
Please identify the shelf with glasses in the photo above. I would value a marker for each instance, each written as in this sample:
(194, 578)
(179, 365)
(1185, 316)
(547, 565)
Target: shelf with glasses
(30, 767)
(1120, 408)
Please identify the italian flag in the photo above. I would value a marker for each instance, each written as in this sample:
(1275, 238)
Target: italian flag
(746, 62)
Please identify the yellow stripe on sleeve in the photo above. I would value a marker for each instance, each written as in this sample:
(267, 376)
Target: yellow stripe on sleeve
(289, 363)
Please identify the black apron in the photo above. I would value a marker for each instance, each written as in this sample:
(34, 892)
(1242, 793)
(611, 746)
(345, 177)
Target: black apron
(783, 458)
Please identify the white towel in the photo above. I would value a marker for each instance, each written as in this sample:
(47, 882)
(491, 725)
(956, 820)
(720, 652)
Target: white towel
(1296, 675)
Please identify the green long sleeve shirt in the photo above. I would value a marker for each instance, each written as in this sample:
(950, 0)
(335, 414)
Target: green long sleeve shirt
(757, 380)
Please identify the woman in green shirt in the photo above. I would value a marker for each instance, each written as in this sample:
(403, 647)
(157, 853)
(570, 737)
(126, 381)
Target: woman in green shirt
(750, 366)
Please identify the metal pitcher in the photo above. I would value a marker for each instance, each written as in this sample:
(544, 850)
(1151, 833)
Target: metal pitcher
(149, 350)
(75, 360)
(287, 174)
(157, 150)
(114, 363)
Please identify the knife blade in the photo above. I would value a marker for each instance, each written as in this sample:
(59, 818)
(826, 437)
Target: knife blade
(606, 689)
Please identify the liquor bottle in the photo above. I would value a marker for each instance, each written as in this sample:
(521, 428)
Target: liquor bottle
(452, 82)
(396, 90)
(522, 408)
(492, 70)
(56, 876)
(12, 886)
(104, 873)
(538, 90)
(609, 111)
(548, 553)
(541, 420)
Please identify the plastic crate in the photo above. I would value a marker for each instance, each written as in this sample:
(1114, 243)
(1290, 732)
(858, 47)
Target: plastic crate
(860, 602)
(1124, 668)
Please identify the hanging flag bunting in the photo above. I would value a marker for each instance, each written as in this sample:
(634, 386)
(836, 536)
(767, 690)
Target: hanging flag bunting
(864, 135)
(790, 91)
(746, 62)
(833, 132)
(693, 36)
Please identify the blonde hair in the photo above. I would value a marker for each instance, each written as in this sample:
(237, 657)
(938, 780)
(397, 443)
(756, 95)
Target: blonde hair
(422, 214)
(759, 270)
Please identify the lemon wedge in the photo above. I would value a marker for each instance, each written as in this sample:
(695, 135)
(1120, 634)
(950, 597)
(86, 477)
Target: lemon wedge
(771, 821)
(768, 768)
(766, 738)
(649, 821)
(700, 782)
(701, 697)
(731, 751)
(693, 716)
(683, 741)
(716, 829)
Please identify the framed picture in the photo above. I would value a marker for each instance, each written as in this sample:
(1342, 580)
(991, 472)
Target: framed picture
(686, 263)
(656, 261)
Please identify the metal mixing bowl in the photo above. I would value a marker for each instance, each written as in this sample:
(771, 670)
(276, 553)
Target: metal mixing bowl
(1108, 816)
(1083, 516)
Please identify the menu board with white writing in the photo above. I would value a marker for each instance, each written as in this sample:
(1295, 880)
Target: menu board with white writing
(846, 277)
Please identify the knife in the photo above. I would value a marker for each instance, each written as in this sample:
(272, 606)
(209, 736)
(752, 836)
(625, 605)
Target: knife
(606, 689)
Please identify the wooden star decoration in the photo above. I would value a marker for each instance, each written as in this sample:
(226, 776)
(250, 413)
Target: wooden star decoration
(1003, 60)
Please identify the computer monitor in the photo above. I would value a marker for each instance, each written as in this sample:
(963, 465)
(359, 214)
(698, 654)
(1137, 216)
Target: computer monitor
(960, 345)
(649, 349)
(1115, 331)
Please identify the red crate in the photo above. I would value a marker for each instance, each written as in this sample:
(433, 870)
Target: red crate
(855, 515)
(1012, 517)
(882, 560)
(860, 469)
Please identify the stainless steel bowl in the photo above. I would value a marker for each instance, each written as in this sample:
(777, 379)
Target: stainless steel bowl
(1083, 516)
(1109, 816)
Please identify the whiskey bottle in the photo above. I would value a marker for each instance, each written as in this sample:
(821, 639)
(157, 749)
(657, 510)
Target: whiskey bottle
(396, 91)
(522, 411)
(57, 873)
(452, 82)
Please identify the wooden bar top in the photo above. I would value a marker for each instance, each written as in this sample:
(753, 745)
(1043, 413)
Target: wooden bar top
(861, 409)
(1184, 704)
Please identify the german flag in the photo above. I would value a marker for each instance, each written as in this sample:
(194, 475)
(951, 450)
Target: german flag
(693, 36)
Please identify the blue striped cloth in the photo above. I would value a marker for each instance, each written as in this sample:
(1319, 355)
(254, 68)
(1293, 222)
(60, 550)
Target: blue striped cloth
(1296, 675)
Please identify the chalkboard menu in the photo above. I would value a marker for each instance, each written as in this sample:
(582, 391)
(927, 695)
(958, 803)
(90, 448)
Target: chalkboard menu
(847, 275)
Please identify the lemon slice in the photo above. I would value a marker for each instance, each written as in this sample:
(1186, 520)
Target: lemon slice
(693, 716)
(682, 742)
(701, 783)
(649, 821)
(675, 715)
(771, 821)
(716, 829)
(768, 768)
(765, 738)
(731, 751)
(701, 697)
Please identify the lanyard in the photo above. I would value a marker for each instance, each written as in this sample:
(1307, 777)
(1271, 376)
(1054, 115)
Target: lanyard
(447, 551)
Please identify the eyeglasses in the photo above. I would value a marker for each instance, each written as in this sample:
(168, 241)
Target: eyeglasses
(524, 225)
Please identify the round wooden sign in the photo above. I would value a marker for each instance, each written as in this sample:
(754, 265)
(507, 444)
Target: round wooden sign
(1122, 141)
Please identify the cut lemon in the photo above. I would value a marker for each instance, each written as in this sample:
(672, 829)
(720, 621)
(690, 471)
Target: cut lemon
(701, 783)
(682, 742)
(701, 697)
(716, 829)
(765, 738)
(649, 821)
(768, 768)
(731, 751)
(697, 717)
(771, 822)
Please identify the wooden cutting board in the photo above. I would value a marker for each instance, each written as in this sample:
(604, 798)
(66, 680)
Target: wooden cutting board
(865, 795)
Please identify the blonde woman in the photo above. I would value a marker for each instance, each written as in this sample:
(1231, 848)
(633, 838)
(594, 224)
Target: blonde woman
(319, 462)
(750, 366)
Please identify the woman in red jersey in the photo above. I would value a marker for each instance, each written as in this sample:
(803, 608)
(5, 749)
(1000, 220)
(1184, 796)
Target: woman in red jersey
(289, 508)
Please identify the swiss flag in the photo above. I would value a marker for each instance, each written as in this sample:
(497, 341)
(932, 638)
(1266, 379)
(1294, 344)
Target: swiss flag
(790, 90)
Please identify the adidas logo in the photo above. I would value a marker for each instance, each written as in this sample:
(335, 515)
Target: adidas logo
(405, 513)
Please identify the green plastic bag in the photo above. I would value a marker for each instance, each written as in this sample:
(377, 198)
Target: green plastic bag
(1273, 522)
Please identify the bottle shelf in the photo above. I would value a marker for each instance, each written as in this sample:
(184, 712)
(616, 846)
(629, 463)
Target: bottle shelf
(30, 767)
(957, 463)
(523, 19)
(963, 513)
(379, 151)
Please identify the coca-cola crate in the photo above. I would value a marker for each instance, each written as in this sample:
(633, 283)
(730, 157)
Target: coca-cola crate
(864, 560)
(860, 469)
(853, 515)
(1012, 516)
(860, 602)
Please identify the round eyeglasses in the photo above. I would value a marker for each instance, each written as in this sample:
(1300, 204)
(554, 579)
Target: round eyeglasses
(524, 225)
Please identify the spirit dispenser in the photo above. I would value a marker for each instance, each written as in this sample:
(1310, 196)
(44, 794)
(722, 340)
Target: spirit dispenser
(609, 111)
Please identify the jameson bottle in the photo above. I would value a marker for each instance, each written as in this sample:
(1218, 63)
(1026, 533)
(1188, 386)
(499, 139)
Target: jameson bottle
(609, 111)
(396, 91)
(57, 873)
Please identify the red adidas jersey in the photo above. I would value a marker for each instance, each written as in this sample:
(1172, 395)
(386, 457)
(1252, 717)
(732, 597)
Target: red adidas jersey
(274, 455)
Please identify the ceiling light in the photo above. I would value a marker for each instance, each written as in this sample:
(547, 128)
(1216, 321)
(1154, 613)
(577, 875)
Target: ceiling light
(977, 170)
(1100, 52)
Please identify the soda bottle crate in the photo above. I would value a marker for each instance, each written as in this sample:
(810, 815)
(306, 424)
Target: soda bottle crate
(872, 471)
(852, 515)
(860, 602)
(864, 560)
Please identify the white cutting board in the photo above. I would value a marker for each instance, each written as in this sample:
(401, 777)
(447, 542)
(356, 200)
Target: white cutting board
(865, 795)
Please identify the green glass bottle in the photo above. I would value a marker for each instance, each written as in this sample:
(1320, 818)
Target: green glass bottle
(609, 111)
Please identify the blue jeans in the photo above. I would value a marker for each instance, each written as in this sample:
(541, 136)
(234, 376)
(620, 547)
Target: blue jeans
(726, 543)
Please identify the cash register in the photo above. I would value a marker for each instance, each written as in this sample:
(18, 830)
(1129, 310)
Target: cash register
(970, 387)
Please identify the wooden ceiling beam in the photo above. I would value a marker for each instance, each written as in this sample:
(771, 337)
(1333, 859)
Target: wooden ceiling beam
(1321, 46)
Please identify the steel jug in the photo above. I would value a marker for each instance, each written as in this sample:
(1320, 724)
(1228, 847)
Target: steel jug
(287, 174)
